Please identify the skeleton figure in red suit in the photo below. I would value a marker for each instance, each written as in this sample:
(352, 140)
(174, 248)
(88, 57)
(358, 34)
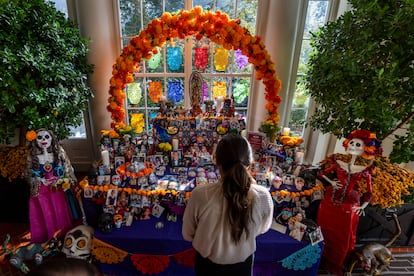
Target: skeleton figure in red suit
(339, 211)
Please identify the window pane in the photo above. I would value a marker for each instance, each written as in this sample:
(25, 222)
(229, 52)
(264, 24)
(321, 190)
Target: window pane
(316, 16)
(135, 96)
(201, 55)
(240, 63)
(156, 63)
(151, 9)
(240, 92)
(226, 6)
(301, 99)
(78, 132)
(173, 5)
(206, 4)
(168, 66)
(299, 108)
(61, 6)
(130, 15)
(154, 87)
(175, 91)
(175, 56)
(304, 56)
(246, 11)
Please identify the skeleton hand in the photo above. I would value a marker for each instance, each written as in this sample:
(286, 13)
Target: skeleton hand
(335, 184)
(360, 210)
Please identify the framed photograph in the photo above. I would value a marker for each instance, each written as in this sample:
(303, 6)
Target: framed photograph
(317, 195)
(176, 158)
(157, 210)
(261, 179)
(135, 200)
(111, 197)
(181, 171)
(270, 161)
(87, 193)
(316, 236)
(142, 182)
(141, 157)
(119, 160)
(158, 160)
(103, 179)
(116, 180)
(297, 230)
(187, 160)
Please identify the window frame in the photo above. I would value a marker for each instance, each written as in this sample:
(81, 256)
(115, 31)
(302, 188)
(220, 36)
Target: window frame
(188, 69)
(295, 75)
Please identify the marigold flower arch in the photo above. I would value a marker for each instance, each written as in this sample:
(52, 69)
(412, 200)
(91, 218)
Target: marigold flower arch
(216, 26)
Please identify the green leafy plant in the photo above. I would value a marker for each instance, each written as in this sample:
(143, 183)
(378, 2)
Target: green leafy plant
(43, 69)
(361, 73)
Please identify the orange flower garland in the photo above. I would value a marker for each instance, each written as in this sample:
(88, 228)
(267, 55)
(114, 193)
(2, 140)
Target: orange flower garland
(217, 27)
(308, 192)
(121, 170)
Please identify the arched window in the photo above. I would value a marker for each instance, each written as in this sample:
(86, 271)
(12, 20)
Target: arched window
(224, 73)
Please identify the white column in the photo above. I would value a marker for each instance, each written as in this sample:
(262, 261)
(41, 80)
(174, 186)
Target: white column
(97, 21)
(276, 25)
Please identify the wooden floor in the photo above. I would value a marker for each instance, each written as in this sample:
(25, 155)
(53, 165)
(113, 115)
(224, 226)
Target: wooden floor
(402, 262)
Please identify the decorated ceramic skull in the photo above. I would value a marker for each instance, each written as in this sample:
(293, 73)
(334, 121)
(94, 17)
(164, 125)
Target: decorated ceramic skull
(44, 139)
(77, 242)
(356, 146)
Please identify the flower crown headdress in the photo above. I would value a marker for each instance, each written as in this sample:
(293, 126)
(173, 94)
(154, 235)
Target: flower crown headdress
(372, 146)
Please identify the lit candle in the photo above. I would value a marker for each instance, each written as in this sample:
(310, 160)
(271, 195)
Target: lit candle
(286, 131)
(105, 158)
(175, 144)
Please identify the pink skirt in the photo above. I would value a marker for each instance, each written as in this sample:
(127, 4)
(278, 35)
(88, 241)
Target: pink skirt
(48, 213)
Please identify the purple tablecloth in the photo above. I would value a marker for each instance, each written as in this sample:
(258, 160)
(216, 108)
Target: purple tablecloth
(143, 238)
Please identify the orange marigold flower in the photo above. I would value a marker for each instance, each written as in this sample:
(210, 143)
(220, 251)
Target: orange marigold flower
(31, 135)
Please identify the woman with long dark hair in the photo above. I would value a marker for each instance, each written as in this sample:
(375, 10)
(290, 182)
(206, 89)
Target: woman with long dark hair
(223, 219)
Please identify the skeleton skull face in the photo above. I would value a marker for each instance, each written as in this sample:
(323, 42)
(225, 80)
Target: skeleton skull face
(77, 243)
(356, 147)
(44, 139)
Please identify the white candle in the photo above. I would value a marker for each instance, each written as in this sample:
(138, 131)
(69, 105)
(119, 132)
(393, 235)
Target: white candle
(105, 158)
(219, 103)
(286, 131)
(175, 144)
(299, 157)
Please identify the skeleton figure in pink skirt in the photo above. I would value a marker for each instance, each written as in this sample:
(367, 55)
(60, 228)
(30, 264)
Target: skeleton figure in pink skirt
(47, 169)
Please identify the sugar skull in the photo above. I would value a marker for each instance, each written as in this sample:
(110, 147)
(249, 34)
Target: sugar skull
(356, 147)
(77, 242)
(44, 139)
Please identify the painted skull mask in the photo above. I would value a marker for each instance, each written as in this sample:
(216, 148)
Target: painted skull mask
(44, 139)
(356, 147)
(77, 242)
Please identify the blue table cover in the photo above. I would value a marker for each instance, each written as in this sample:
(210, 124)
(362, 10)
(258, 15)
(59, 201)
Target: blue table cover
(276, 254)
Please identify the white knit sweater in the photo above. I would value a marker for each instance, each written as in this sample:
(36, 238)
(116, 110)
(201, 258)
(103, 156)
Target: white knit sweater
(205, 223)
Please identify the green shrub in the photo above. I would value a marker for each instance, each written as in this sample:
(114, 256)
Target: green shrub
(43, 69)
